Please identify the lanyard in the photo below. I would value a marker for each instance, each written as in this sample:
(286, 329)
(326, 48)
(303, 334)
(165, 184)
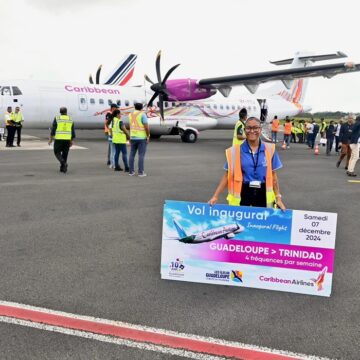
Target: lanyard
(253, 156)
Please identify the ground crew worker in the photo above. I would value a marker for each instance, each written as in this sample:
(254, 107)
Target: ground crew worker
(239, 132)
(63, 132)
(287, 132)
(10, 127)
(119, 135)
(139, 138)
(294, 132)
(18, 119)
(107, 121)
(323, 127)
(274, 129)
(251, 172)
(301, 131)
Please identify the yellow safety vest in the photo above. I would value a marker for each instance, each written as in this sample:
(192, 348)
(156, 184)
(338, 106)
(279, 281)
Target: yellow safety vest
(8, 118)
(64, 127)
(137, 128)
(17, 117)
(235, 176)
(118, 136)
(236, 141)
(323, 126)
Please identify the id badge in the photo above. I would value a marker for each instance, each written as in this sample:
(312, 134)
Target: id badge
(255, 184)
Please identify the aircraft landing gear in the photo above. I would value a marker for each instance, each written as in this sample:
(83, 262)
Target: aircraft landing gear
(189, 136)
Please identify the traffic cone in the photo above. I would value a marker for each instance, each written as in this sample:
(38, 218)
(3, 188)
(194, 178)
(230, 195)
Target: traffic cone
(316, 152)
(283, 146)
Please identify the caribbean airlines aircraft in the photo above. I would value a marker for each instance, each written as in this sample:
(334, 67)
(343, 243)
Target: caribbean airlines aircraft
(183, 106)
(225, 231)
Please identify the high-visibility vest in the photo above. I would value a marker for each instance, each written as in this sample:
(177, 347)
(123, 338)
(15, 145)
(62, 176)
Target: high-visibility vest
(8, 118)
(118, 136)
(17, 117)
(287, 128)
(137, 128)
(235, 176)
(236, 141)
(64, 127)
(275, 125)
(323, 126)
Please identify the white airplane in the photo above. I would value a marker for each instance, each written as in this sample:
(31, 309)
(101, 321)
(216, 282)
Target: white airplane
(225, 231)
(181, 108)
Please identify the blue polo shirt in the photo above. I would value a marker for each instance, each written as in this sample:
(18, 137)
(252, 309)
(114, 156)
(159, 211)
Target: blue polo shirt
(248, 161)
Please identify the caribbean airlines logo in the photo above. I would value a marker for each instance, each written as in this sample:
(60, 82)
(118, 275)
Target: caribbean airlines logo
(319, 281)
(236, 276)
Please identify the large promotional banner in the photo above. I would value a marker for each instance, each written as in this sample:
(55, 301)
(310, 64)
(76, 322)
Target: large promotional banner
(250, 247)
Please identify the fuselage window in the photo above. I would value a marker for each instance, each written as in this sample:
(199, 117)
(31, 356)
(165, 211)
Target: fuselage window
(16, 91)
(215, 106)
(166, 104)
(5, 90)
(233, 107)
(101, 101)
(227, 107)
(92, 101)
(221, 107)
(118, 102)
(110, 101)
(173, 104)
(238, 107)
(127, 103)
(208, 106)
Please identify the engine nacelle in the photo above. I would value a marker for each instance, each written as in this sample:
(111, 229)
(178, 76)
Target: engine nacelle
(187, 90)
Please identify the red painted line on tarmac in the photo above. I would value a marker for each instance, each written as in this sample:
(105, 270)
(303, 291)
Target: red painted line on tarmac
(143, 336)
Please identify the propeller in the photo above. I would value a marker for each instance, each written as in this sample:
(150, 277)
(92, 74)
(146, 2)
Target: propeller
(97, 78)
(159, 88)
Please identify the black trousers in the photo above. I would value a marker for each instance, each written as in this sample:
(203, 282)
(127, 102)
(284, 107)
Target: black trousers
(253, 196)
(18, 134)
(10, 135)
(61, 150)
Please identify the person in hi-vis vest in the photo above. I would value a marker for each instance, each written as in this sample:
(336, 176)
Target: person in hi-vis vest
(10, 127)
(139, 138)
(239, 130)
(274, 129)
(63, 132)
(119, 135)
(18, 119)
(250, 176)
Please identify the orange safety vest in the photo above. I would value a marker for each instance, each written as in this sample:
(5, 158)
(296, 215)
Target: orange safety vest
(287, 127)
(235, 176)
(275, 125)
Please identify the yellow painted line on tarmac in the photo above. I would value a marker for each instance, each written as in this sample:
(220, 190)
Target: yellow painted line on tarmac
(354, 181)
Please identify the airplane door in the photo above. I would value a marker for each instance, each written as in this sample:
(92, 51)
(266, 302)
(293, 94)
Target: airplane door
(83, 104)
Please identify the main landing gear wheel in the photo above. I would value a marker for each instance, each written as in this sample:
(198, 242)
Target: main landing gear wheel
(154, 137)
(189, 136)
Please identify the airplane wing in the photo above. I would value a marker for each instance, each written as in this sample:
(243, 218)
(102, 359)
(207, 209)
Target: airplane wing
(253, 80)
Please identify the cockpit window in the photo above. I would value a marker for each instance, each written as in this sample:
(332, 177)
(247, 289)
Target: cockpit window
(16, 91)
(5, 90)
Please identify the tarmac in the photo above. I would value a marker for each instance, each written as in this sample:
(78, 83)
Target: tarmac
(89, 242)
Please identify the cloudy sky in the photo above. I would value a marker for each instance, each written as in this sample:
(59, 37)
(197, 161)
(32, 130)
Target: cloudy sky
(65, 40)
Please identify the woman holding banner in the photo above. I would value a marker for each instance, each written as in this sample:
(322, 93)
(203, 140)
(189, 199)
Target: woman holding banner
(250, 175)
